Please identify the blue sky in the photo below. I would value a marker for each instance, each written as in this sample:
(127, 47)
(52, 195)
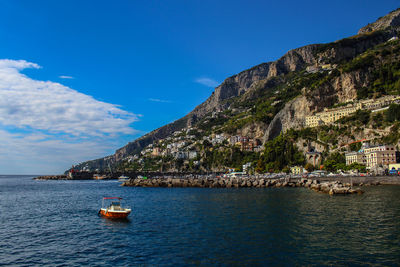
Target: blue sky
(115, 70)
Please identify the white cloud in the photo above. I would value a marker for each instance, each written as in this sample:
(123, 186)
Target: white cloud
(207, 82)
(65, 77)
(45, 154)
(159, 100)
(56, 108)
(17, 64)
(47, 126)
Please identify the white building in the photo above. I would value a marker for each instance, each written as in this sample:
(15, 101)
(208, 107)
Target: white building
(382, 155)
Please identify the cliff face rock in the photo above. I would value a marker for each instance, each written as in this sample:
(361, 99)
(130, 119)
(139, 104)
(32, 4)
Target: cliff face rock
(293, 60)
(291, 116)
(256, 130)
(343, 89)
(390, 20)
(348, 48)
(241, 83)
(347, 85)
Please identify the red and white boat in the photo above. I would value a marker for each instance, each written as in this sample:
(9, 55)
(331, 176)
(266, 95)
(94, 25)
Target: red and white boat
(111, 208)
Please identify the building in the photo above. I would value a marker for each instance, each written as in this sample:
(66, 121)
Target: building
(166, 152)
(218, 139)
(382, 155)
(245, 143)
(156, 152)
(249, 144)
(185, 155)
(395, 166)
(354, 156)
(379, 102)
(234, 139)
(192, 154)
(246, 167)
(296, 170)
(329, 116)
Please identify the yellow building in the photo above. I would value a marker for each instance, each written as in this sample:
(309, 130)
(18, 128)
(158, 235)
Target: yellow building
(379, 102)
(394, 166)
(296, 170)
(331, 115)
(313, 121)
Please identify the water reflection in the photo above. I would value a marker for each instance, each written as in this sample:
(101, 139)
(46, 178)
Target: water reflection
(115, 223)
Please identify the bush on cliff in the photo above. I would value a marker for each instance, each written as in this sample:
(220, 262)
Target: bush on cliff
(393, 113)
(394, 136)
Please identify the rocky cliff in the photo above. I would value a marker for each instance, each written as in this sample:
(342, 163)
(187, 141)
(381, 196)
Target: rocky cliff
(391, 20)
(315, 76)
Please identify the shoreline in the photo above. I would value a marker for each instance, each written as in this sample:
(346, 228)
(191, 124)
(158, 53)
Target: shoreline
(337, 185)
(210, 180)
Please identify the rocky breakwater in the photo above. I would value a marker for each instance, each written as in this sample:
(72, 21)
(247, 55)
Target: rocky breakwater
(74, 176)
(52, 177)
(332, 188)
(208, 182)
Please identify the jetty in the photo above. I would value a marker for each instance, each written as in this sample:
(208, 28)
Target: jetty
(330, 187)
(326, 184)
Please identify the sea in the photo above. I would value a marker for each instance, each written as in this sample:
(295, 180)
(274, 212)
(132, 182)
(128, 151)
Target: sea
(56, 223)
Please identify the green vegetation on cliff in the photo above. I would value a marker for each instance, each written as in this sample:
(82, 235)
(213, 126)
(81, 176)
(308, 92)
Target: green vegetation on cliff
(280, 153)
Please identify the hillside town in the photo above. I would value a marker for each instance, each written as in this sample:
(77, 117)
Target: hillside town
(377, 159)
(329, 116)
(182, 145)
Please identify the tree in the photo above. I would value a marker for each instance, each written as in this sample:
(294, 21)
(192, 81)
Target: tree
(357, 166)
(393, 113)
(362, 93)
(334, 162)
(362, 116)
(279, 153)
(355, 146)
(309, 167)
(378, 119)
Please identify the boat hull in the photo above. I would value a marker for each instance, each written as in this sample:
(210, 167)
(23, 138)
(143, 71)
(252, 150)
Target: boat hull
(114, 214)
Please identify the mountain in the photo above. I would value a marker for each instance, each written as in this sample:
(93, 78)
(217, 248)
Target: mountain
(274, 97)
